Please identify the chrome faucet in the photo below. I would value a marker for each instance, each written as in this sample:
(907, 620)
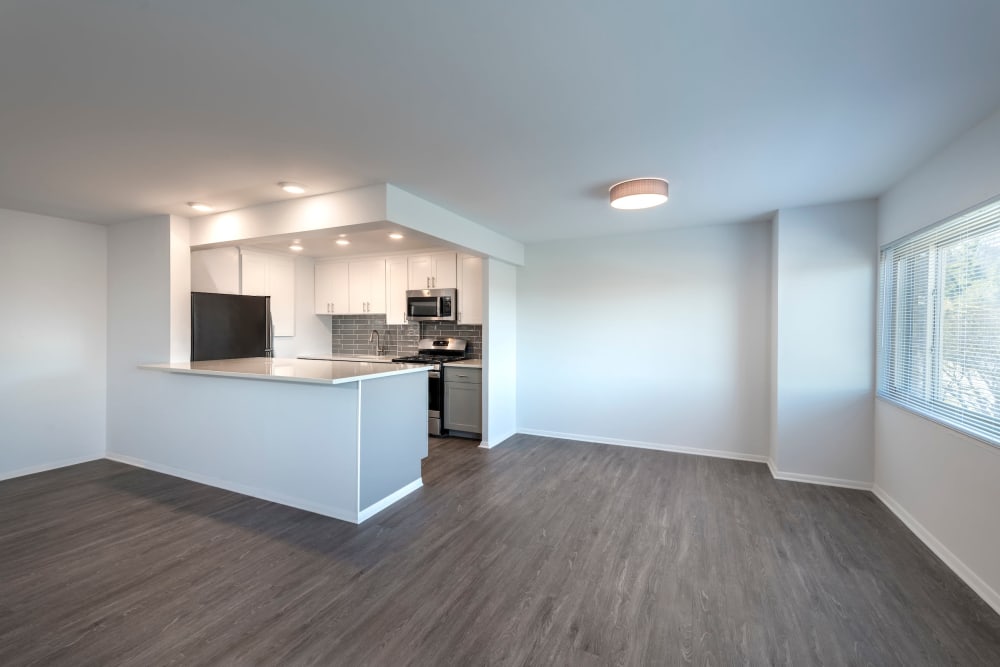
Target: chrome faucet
(378, 341)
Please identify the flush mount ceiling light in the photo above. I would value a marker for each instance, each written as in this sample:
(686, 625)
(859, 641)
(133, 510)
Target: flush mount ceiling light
(639, 193)
(292, 188)
(343, 242)
(296, 246)
(395, 236)
(201, 208)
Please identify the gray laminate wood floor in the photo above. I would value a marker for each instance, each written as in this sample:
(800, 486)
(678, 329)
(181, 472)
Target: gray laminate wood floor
(540, 552)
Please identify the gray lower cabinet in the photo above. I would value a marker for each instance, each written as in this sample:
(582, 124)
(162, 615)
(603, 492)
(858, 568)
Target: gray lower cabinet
(463, 399)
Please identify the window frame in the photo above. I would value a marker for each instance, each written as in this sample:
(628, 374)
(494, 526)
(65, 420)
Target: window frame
(928, 403)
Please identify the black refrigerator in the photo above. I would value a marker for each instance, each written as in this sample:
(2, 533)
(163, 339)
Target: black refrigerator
(230, 326)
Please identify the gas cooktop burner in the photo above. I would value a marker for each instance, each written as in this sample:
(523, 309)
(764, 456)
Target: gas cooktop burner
(436, 351)
(428, 359)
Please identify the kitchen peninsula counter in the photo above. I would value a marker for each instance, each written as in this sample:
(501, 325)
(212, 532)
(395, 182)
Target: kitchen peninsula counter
(314, 371)
(339, 438)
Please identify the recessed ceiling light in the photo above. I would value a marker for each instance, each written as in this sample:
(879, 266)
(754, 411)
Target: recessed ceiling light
(201, 208)
(639, 193)
(341, 235)
(396, 236)
(292, 188)
(343, 242)
(296, 246)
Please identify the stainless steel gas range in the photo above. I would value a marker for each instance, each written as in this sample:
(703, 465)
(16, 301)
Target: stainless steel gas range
(436, 352)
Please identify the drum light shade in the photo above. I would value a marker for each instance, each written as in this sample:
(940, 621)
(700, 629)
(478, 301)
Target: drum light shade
(639, 193)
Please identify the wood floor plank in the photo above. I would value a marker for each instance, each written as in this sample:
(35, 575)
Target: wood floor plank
(538, 552)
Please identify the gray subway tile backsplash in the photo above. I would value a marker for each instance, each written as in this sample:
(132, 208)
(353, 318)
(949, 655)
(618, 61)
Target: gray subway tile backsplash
(351, 332)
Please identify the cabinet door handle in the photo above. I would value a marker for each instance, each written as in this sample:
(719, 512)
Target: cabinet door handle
(332, 308)
(434, 281)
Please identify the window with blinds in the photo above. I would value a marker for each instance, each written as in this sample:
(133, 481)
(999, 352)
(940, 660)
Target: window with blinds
(939, 322)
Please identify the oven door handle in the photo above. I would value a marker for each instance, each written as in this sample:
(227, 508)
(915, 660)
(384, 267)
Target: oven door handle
(434, 374)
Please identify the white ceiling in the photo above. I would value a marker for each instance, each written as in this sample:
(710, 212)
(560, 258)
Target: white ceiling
(516, 114)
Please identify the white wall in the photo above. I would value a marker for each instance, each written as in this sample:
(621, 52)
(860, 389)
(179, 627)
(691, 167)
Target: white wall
(500, 352)
(52, 342)
(657, 340)
(180, 289)
(824, 266)
(946, 485)
(964, 173)
(142, 320)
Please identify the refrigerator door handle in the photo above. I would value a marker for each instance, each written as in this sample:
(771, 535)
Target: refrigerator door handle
(269, 332)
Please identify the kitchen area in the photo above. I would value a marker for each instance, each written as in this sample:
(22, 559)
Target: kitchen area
(376, 337)
(423, 308)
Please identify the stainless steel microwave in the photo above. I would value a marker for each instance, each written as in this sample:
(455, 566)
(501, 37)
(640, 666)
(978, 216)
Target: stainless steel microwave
(431, 305)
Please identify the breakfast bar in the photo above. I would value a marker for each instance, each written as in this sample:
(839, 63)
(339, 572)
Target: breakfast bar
(340, 438)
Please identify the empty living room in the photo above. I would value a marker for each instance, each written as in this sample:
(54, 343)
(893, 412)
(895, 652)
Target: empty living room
(393, 333)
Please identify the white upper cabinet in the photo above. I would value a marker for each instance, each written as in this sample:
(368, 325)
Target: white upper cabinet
(350, 288)
(395, 290)
(216, 270)
(376, 286)
(366, 284)
(332, 294)
(433, 271)
(262, 274)
(470, 289)
(253, 271)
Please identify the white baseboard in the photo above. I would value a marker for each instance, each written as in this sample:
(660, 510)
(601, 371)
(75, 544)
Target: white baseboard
(716, 453)
(817, 479)
(377, 507)
(964, 572)
(246, 490)
(496, 442)
(45, 467)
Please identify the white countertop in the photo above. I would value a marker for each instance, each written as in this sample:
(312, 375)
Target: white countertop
(468, 363)
(291, 370)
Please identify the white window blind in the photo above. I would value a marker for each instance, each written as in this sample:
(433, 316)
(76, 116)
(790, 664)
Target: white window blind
(939, 322)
